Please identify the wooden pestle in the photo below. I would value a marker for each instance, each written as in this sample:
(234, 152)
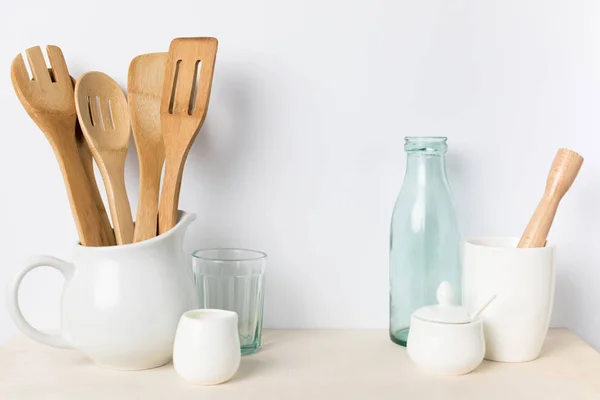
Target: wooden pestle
(564, 170)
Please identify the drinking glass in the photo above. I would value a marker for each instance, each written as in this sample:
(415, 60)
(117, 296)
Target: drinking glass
(234, 280)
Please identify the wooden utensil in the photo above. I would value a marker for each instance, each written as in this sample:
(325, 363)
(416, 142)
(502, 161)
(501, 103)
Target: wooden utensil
(183, 109)
(48, 99)
(144, 89)
(102, 111)
(85, 155)
(564, 170)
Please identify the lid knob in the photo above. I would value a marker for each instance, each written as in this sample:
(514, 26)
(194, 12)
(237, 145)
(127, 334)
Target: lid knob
(445, 311)
(445, 294)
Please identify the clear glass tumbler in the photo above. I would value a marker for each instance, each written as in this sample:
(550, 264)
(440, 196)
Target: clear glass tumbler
(234, 280)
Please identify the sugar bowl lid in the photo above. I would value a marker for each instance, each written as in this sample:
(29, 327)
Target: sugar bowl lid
(445, 311)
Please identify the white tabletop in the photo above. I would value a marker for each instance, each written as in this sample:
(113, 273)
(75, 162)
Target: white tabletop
(309, 364)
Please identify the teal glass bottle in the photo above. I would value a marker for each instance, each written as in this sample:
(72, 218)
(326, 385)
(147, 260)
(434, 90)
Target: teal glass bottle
(424, 237)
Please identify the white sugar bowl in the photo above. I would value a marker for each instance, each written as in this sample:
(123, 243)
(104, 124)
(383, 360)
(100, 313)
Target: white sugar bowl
(444, 338)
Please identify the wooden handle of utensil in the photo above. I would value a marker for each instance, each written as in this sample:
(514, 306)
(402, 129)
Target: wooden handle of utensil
(564, 170)
(83, 205)
(146, 222)
(120, 210)
(169, 196)
(91, 186)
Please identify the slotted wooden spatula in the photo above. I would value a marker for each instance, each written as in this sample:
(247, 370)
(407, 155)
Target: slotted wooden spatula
(184, 102)
(144, 88)
(48, 99)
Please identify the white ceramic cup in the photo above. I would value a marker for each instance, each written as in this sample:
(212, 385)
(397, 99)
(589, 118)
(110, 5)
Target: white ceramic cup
(207, 346)
(523, 280)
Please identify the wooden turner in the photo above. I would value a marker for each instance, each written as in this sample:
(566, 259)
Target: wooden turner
(183, 107)
(48, 99)
(564, 170)
(144, 88)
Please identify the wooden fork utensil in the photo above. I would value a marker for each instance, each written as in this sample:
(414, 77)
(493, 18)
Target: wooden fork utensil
(48, 99)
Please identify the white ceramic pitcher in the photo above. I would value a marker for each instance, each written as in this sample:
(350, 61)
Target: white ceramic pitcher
(120, 304)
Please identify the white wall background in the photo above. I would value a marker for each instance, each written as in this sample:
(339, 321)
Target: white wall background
(302, 151)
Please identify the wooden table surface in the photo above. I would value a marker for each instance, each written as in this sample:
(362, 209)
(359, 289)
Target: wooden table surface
(308, 364)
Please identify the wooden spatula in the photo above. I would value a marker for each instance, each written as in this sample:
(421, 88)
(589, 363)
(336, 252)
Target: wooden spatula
(144, 88)
(564, 170)
(183, 109)
(104, 118)
(48, 99)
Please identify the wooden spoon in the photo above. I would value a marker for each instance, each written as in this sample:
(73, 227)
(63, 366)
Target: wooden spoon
(102, 111)
(48, 99)
(85, 155)
(183, 107)
(144, 88)
(564, 170)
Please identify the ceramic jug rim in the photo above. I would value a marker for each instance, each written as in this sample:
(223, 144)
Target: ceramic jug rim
(480, 241)
(183, 219)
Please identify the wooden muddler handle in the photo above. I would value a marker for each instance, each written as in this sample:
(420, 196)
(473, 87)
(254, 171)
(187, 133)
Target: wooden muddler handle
(564, 170)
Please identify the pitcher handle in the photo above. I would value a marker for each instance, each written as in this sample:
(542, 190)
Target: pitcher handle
(12, 300)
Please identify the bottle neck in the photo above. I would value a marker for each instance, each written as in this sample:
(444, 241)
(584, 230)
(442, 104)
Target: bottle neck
(424, 168)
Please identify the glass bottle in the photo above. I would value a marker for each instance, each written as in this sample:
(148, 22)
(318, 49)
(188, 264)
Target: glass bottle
(424, 238)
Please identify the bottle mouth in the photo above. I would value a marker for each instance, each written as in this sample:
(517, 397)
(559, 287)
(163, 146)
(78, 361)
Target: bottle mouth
(426, 144)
